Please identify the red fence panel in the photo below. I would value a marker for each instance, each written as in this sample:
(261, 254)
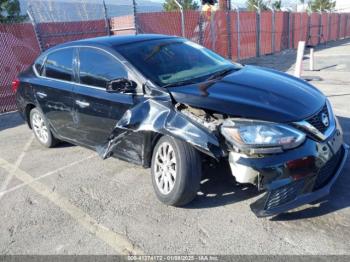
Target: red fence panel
(221, 34)
(192, 28)
(234, 35)
(265, 32)
(213, 25)
(209, 30)
(342, 25)
(334, 27)
(281, 31)
(304, 27)
(168, 23)
(347, 30)
(18, 50)
(248, 34)
(296, 28)
(324, 27)
(314, 29)
(213, 31)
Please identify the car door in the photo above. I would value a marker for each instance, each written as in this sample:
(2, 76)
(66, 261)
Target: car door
(53, 90)
(96, 110)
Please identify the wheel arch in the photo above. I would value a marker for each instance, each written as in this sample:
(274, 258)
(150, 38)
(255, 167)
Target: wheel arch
(27, 110)
(150, 141)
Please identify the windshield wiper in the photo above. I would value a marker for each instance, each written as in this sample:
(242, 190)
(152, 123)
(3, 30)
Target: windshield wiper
(222, 73)
(180, 83)
(216, 75)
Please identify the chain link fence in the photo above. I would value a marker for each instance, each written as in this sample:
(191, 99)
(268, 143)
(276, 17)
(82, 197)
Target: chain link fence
(56, 22)
(235, 34)
(18, 49)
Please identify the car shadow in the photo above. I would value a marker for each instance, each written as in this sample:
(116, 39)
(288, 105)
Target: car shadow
(64, 144)
(339, 197)
(10, 120)
(218, 188)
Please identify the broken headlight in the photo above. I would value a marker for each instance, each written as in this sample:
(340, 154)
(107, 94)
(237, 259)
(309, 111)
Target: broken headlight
(259, 137)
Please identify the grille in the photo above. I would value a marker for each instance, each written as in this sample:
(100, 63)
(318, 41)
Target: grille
(284, 194)
(316, 120)
(328, 170)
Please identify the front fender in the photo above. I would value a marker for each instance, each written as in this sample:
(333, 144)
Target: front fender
(161, 117)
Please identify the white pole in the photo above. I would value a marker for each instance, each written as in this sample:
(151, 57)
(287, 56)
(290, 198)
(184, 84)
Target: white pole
(311, 59)
(182, 18)
(299, 61)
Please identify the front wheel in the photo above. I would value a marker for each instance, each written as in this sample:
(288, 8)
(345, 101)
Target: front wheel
(176, 171)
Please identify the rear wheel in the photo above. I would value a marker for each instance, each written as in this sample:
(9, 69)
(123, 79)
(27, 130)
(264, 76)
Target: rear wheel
(41, 128)
(176, 171)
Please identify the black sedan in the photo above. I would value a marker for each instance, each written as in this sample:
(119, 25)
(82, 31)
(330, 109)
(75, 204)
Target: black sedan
(168, 103)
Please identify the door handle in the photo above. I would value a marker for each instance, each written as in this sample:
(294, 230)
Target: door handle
(41, 94)
(82, 104)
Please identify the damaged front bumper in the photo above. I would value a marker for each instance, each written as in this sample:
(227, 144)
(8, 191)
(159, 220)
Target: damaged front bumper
(288, 195)
(294, 178)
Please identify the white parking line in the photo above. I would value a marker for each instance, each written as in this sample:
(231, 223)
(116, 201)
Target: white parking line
(16, 165)
(118, 242)
(45, 175)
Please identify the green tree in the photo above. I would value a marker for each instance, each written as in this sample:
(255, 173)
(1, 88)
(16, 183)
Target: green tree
(277, 5)
(253, 5)
(10, 11)
(170, 5)
(321, 5)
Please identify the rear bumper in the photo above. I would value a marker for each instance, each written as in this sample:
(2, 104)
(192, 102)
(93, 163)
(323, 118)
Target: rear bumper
(260, 206)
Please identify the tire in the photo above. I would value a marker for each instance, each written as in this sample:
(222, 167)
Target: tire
(41, 129)
(181, 180)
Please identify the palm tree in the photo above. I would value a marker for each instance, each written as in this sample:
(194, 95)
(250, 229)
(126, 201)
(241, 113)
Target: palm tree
(321, 5)
(170, 5)
(277, 5)
(254, 5)
(10, 12)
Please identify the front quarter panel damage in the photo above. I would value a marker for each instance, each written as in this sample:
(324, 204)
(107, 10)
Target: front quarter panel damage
(153, 116)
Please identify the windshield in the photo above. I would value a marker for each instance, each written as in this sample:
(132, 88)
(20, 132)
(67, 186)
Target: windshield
(169, 61)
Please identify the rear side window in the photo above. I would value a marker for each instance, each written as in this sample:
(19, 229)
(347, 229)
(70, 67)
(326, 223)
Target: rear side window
(59, 65)
(97, 68)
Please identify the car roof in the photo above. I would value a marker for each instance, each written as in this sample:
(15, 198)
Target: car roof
(113, 41)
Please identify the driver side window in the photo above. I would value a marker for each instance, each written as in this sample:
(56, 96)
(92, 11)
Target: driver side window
(97, 68)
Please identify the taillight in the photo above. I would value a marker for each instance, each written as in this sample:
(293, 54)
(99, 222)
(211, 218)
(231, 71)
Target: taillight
(15, 85)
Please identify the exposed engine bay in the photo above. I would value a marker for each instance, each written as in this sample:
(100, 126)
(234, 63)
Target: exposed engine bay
(213, 121)
(208, 119)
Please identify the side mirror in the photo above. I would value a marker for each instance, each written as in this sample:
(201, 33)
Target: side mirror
(121, 85)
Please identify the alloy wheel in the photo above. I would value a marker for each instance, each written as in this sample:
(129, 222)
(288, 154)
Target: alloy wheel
(40, 128)
(165, 168)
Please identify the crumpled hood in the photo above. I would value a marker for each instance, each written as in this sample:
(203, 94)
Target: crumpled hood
(255, 93)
